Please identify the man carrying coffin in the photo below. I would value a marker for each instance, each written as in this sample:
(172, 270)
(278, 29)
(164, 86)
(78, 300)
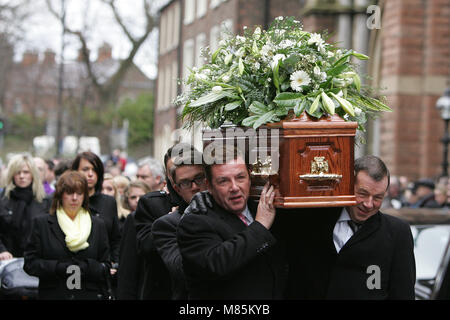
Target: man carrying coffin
(229, 251)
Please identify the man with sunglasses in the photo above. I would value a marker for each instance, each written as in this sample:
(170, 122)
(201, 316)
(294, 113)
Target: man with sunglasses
(187, 177)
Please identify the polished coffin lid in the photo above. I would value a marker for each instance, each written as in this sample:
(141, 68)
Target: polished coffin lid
(310, 161)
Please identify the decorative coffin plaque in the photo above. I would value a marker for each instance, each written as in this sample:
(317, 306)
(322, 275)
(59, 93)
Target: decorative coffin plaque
(311, 162)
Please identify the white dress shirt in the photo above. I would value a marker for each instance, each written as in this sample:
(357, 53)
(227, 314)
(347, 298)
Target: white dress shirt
(247, 215)
(342, 231)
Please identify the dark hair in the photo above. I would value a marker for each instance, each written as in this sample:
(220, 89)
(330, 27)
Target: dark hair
(221, 153)
(96, 163)
(50, 164)
(374, 167)
(190, 158)
(70, 181)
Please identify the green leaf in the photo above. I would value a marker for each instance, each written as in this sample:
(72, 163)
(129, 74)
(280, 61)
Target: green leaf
(258, 108)
(298, 109)
(263, 119)
(337, 70)
(208, 98)
(276, 76)
(249, 121)
(232, 105)
(357, 82)
(288, 99)
(214, 55)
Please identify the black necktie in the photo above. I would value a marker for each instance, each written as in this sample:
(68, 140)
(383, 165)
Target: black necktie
(354, 225)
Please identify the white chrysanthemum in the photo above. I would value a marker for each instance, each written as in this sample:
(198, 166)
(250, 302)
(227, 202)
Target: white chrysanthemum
(298, 79)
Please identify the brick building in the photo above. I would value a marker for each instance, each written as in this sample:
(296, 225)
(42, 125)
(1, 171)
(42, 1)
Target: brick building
(33, 83)
(408, 42)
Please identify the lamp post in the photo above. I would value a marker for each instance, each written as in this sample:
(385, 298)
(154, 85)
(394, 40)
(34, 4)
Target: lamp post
(443, 104)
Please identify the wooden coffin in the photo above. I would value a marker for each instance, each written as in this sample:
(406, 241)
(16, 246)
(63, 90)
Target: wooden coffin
(309, 161)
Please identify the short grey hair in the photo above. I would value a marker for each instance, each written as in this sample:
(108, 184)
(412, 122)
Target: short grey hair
(155, 166)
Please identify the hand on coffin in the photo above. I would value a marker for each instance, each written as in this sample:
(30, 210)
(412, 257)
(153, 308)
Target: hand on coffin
(266, 210)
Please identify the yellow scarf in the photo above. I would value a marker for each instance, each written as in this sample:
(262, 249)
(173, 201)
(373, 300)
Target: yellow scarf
(77, 230)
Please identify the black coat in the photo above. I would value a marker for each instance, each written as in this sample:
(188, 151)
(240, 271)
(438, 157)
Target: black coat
(317, 271)
(47, 247)
(164, 232)
(130, 274)
(105, 207)
(157, 283)
(14, 239)
(225, 259)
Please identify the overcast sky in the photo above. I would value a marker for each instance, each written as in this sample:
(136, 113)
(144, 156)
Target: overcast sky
(43, 31)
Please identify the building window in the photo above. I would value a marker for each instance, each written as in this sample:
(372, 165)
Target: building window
(200, 43)
(167, 86)
(188, 57)
(189, 11)
(163, 34)
(160, 89)
(214, 35)
(226, 28)
(201, 8)
(176, 24)
(215, 3)
(169, 29)
(174, 78)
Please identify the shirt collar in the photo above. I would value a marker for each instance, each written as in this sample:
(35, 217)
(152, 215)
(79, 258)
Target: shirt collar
(344, 215)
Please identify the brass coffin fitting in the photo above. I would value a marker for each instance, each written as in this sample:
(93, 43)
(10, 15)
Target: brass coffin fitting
(319, 171)
(260, 168)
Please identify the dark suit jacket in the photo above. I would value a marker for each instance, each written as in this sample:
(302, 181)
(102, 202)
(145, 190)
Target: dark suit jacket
(130, 274)
(105, 207)
(164, 232)
(319, 272)
(225, 259)
(156, 282)
(13, 239)
(47, 247)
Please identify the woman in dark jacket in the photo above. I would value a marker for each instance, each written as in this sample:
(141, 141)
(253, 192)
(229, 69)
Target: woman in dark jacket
(68, 250)
(22, 199)
(91, 166)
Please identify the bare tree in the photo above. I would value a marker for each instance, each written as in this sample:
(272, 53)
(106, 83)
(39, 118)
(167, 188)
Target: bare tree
(12, 17)
(107, 90)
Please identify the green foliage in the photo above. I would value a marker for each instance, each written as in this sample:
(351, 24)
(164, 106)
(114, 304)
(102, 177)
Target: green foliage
(139, 113)
(25, 126)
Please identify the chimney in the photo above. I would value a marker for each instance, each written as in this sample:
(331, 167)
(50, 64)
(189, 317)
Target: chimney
(49, 58)
(29, 58)
(104, 52)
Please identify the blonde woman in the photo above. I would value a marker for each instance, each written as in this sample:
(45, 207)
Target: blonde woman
(22, 199)
(70, 241)
(109, 187)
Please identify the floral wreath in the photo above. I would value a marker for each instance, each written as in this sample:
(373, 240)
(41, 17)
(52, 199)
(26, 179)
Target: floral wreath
(264, 76)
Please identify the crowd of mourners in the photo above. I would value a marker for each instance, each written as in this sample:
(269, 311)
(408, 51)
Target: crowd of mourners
(124, 233)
